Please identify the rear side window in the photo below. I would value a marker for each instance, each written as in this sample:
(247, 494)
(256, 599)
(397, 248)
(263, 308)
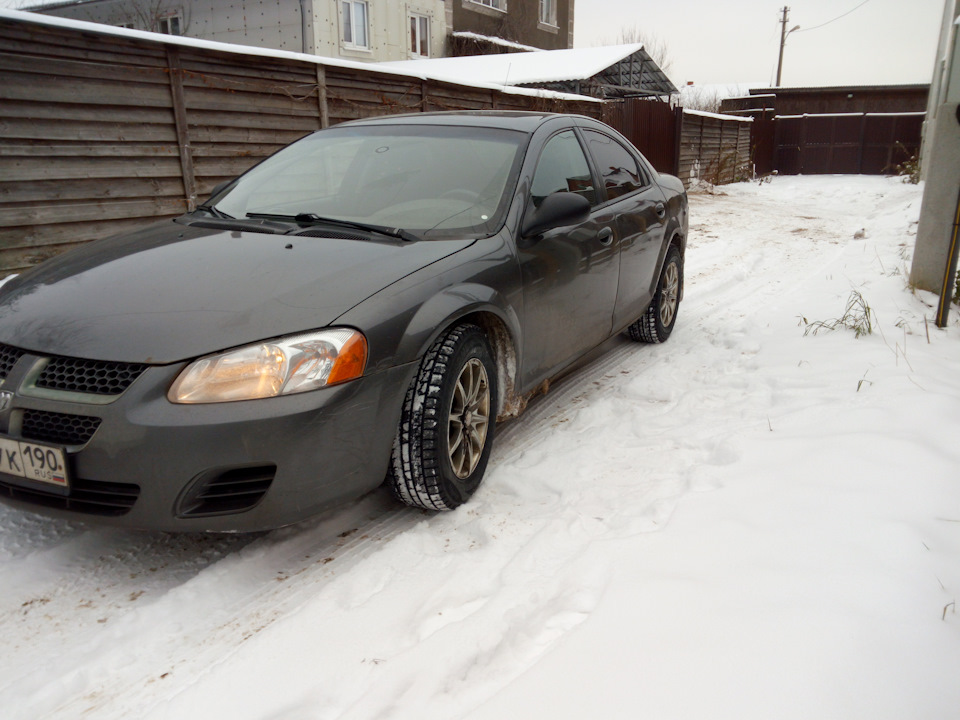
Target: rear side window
(618, 168)
(563, 168)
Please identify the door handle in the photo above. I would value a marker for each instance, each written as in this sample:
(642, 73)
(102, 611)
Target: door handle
(661, 210)
(605, 236)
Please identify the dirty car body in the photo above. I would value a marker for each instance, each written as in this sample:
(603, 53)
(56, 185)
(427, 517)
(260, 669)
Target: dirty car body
(362, 305)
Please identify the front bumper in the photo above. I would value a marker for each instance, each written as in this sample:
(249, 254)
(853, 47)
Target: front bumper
(260, 464)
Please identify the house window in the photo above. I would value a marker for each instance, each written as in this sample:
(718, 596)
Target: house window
(355, 24)
(548, 12)
(420, 35)
(170, 25)
(495, 4)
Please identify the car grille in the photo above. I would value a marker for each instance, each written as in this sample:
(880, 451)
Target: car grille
(58, 428)
(230, 491)
(86, 496)
(8, 358)
(88, 376)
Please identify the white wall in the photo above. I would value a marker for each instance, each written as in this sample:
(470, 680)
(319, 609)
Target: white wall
(388, 29)
(278, 23)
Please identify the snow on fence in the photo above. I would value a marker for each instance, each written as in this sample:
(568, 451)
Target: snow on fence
(102, 130)
(714, 148)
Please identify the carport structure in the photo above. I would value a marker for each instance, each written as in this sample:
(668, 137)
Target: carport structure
(614, 71)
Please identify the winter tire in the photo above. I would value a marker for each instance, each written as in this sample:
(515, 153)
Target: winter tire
(446, 423)
(657, 322)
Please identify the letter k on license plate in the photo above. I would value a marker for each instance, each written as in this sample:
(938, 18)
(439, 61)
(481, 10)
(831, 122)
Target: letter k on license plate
(40, 463)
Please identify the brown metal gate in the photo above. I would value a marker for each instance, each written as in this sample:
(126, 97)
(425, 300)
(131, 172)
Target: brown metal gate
(847, 144)
(654, 127)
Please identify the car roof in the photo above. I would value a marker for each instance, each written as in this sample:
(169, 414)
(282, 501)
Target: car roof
(524, 121)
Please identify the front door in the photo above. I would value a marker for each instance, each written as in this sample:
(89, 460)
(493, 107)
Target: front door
(570, 273)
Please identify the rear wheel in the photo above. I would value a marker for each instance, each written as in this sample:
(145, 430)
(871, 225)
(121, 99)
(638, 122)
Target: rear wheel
(657, 322)
(446, 423)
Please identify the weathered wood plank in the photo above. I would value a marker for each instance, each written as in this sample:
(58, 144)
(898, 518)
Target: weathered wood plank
(96, 189)
(47, 214)
(224, 149)
(89, 132)
(180, 122)
(37, 109)
(260, 103)
(42, 236)
(81, 69)
(224, 166)
(24, 86)
(226, 134)
(46, 150)
(28, 39)
(18, 169)
(214, 119)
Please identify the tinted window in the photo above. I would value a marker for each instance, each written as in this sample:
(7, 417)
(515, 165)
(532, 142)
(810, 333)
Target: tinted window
(562, 168)
(618, 168)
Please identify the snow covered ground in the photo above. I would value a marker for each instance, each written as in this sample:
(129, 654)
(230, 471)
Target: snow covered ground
(746, 522)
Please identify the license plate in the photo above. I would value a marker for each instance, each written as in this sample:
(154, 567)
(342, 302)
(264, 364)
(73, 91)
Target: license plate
(40, 463)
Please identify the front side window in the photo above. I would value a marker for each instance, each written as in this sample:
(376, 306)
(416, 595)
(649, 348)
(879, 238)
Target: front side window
(170, 25)
(618, 168)
(420, 35)
(548, 12)
(562, 168)
(355, 23)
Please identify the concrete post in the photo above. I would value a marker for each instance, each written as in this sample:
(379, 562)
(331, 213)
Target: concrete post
(931, 256)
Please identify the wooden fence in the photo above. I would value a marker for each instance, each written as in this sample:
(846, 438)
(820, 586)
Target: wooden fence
(689, 144)
(100, 132)
(713, 148)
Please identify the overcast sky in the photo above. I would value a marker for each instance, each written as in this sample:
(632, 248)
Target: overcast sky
(737, 41)
(882, 42)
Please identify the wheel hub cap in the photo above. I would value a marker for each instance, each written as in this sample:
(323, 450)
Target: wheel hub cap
(469, 418)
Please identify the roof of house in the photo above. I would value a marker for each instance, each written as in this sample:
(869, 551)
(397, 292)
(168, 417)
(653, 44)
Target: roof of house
(626, 67)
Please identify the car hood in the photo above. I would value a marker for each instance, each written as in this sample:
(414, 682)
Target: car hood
(173, 292)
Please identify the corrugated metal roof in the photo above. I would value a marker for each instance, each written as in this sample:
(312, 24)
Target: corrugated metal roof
(606, 64)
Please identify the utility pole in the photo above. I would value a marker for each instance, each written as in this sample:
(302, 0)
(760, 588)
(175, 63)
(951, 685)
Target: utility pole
(784, 18)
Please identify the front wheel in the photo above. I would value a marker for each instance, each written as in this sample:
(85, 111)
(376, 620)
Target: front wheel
(447, 423)
(657, 322)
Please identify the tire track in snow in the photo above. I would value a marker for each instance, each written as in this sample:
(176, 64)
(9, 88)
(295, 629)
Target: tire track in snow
(207, 599)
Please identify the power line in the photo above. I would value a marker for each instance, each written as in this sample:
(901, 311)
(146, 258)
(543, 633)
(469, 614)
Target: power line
(815, 27)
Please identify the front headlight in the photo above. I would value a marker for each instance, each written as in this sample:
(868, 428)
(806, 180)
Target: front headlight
(293, 364)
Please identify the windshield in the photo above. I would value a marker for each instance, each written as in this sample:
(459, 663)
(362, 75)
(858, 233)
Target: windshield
(432, 180)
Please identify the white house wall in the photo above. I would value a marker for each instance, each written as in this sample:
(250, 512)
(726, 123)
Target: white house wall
(389, 23)
(279, 24)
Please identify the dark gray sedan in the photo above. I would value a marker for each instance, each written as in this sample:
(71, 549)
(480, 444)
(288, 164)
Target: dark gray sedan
(361, 306)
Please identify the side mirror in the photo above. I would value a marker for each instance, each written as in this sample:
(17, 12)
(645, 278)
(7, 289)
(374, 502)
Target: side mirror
(556, 210)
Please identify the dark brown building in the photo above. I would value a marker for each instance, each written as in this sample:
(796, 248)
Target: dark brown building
(476, 25)
(767, 102)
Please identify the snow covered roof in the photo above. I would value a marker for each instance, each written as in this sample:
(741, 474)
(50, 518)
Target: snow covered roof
(606, 64)
(180, 40)
(467, 35)
(702, 113)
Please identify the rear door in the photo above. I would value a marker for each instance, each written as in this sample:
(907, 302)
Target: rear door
(638, 211)
(570, 273)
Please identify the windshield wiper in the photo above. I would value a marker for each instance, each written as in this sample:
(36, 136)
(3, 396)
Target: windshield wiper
(311, 219)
